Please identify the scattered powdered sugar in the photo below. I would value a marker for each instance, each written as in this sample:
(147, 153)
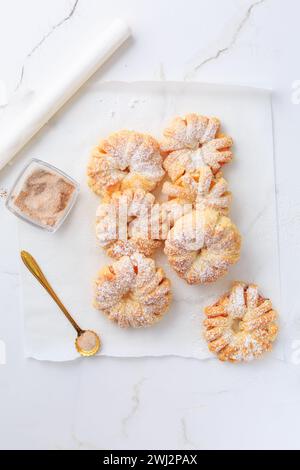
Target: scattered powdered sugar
(189, 132)
(127, 158)
(136, 294)
(244, 337)
(202, 245)
(196, 160)
(193, 142)
(201, 189)
(124, 225)
(132, 104)
(252, 296)
(237, 306)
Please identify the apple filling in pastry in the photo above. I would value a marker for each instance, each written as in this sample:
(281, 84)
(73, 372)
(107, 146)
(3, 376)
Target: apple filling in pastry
(202, 245)
(133, 292)
(241, 325)
(126, 159)
(192, 142)
(130, 222)
(201, 189)
(201, 241)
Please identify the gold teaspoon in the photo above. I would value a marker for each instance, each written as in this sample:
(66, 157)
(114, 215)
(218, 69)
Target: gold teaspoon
(87, 342)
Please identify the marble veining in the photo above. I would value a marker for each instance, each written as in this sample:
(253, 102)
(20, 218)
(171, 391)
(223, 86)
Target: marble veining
(230, 44)
(158, 402)
(44, 38)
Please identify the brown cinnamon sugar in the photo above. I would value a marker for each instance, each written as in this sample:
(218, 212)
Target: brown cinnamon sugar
(3, 193)
(87, 341)
(44, 197)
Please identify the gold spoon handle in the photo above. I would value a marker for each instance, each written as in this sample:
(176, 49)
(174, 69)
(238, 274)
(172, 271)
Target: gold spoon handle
(34, 268)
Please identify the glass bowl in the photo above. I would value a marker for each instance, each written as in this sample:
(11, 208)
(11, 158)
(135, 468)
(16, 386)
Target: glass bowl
(19, 184)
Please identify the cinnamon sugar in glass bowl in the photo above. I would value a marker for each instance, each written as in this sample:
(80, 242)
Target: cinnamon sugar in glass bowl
(42, 195)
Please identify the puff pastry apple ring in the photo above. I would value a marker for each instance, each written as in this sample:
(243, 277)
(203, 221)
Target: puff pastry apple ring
(192, 142)
(241, 325)
(202, 245)
(201, 189)
(126, 159)
(133, 292)
(126, 223)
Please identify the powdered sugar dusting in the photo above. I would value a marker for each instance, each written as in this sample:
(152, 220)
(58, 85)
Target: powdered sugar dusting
(196, 160)
(201, 189)
(193, 142)
(123, 225)
(202, 245)
(126, 159)
(133, 292)
(241, 326)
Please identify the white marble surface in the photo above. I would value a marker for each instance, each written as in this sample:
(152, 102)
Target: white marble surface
(167, 402)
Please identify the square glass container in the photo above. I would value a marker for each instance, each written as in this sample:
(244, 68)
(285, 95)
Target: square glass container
(20, 183)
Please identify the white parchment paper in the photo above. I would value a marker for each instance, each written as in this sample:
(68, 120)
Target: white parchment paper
(71, 258)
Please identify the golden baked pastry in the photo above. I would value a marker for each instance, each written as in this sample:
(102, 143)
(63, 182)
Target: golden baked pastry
(127, 222)
(193, 141)
(133, 292)
(202, 245)
(201, 189)
(241, 325)
(126, 159)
